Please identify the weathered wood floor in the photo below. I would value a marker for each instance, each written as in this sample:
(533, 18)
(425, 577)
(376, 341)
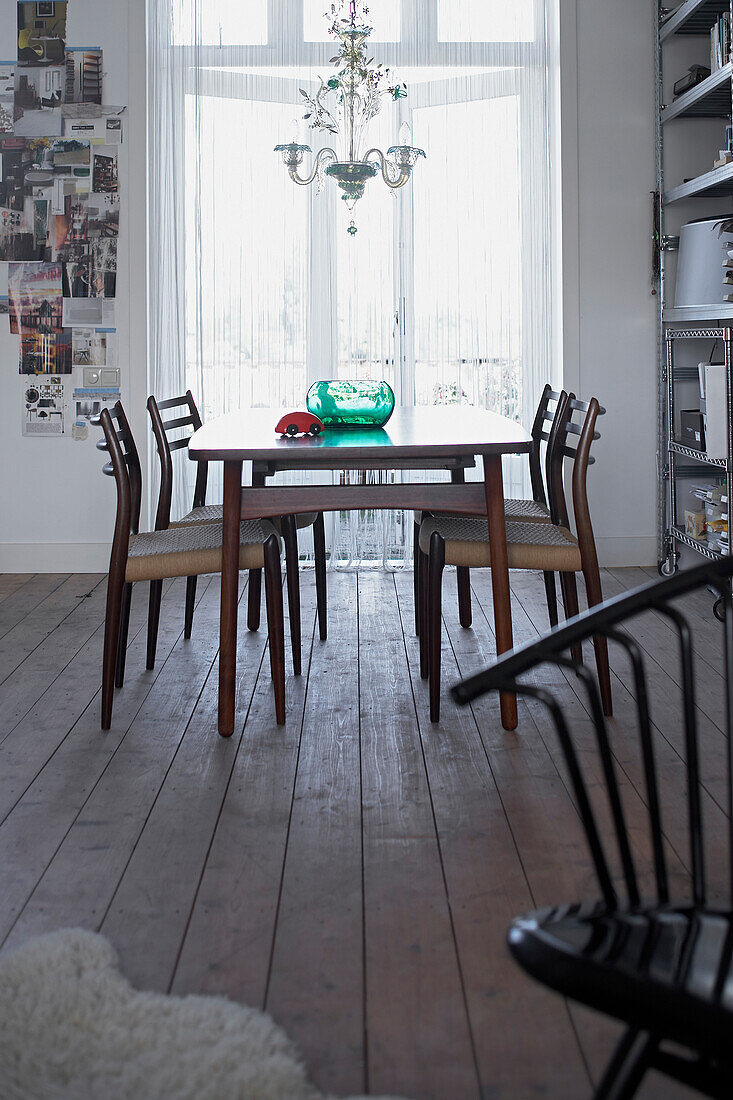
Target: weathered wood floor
(354, 872)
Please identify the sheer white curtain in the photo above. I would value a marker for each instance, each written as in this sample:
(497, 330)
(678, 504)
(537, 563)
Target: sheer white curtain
(257, 289)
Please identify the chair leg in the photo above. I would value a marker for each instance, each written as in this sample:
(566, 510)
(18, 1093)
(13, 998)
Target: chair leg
(434, 620)
(458, 477)
(290, 538)
(156, 591)
(464, 595)
(626, 1069)
(416, 574)
(319, 546)
(122, 643)
(254, 598)
(569, 588)
(190, 605)
(600, 644)
(423, 563)
(276, 627)
(115, 584)
(551, 594)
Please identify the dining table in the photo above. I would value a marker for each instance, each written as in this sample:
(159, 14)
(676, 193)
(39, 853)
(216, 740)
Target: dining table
(447, 437)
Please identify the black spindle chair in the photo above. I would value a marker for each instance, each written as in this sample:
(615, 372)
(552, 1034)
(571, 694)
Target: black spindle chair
(663, 966)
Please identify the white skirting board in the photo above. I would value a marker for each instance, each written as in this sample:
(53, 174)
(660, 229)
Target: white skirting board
(632, 550)
(54, 557)
(93, 557)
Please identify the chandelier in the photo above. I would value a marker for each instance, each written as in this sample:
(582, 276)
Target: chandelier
(344, 105)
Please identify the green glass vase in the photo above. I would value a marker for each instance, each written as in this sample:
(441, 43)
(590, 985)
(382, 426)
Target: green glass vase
(351, 404)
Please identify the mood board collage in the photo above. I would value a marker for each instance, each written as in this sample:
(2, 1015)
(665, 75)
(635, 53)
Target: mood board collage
(59, 224)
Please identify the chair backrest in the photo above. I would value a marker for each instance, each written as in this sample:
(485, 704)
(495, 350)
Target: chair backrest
(168, 439)
(572, 434)
(544, 418)
(124, 466)
(669, 810)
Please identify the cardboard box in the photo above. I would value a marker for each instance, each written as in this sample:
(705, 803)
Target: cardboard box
(695, 524)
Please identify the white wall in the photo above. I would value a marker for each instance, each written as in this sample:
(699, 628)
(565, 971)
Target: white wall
(609, 311)
(56, 509)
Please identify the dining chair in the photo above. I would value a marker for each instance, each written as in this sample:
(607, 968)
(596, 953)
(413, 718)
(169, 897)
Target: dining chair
(547, 546)
(172, 552)
(535, 510)
(656, 950)
(168, 438)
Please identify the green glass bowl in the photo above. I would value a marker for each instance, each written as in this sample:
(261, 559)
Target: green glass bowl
(344, 404)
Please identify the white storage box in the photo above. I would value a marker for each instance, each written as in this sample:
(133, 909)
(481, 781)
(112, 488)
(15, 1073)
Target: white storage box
(716, 425)
(703, 250)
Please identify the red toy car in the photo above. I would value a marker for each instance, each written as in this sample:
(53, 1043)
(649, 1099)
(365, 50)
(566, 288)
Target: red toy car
(299, 423)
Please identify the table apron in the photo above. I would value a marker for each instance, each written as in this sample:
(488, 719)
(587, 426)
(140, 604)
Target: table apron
(466, 499)
(270, 468)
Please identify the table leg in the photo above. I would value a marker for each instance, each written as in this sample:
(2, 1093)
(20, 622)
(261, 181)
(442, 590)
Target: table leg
(229, 584)
(494, 487)
(254, 587)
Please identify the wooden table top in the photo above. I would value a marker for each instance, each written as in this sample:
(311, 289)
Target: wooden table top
(428, 431)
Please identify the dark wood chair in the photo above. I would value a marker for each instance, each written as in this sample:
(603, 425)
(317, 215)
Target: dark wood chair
(168, 438)
(173, 552)
(662, 964)
(551, 547)
(535, 510)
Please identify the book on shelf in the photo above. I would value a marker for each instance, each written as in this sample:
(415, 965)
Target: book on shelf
(720, 38)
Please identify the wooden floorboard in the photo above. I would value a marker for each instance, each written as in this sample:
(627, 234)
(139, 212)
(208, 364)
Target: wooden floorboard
(411, 1008)
(354, 872)
(24, 600)
(488, 885)
(321, 900)
(228, 942)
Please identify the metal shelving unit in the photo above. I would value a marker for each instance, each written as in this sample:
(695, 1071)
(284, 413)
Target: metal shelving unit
(673, 534)
(711, 99)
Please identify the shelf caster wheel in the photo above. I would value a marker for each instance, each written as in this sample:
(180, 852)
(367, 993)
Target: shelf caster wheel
(719, 609)
(668, 567)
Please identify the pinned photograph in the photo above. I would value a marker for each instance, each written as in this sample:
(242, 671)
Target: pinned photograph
(104, 215)
(101, 123)
(83, 76)
(41, 33)
(38, 100)
(88, 313)
(89, 348)
(72, 225)
(68, 152)
(45, 354)
(17, 240)
(43, 407)
(77, 277)
(36, 303)
(7, 98)
(104, 267)
(104, 170)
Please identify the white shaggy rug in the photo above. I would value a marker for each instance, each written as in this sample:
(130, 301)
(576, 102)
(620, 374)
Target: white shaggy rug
(73, 1028)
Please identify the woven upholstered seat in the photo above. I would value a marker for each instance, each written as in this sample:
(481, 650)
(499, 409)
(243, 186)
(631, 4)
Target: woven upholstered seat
(190, 551)
(529, 545)
(524, 510)
(212, 513)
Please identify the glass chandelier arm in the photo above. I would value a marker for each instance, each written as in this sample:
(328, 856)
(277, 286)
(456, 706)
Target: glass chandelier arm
(323, 156)
(392, 181)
